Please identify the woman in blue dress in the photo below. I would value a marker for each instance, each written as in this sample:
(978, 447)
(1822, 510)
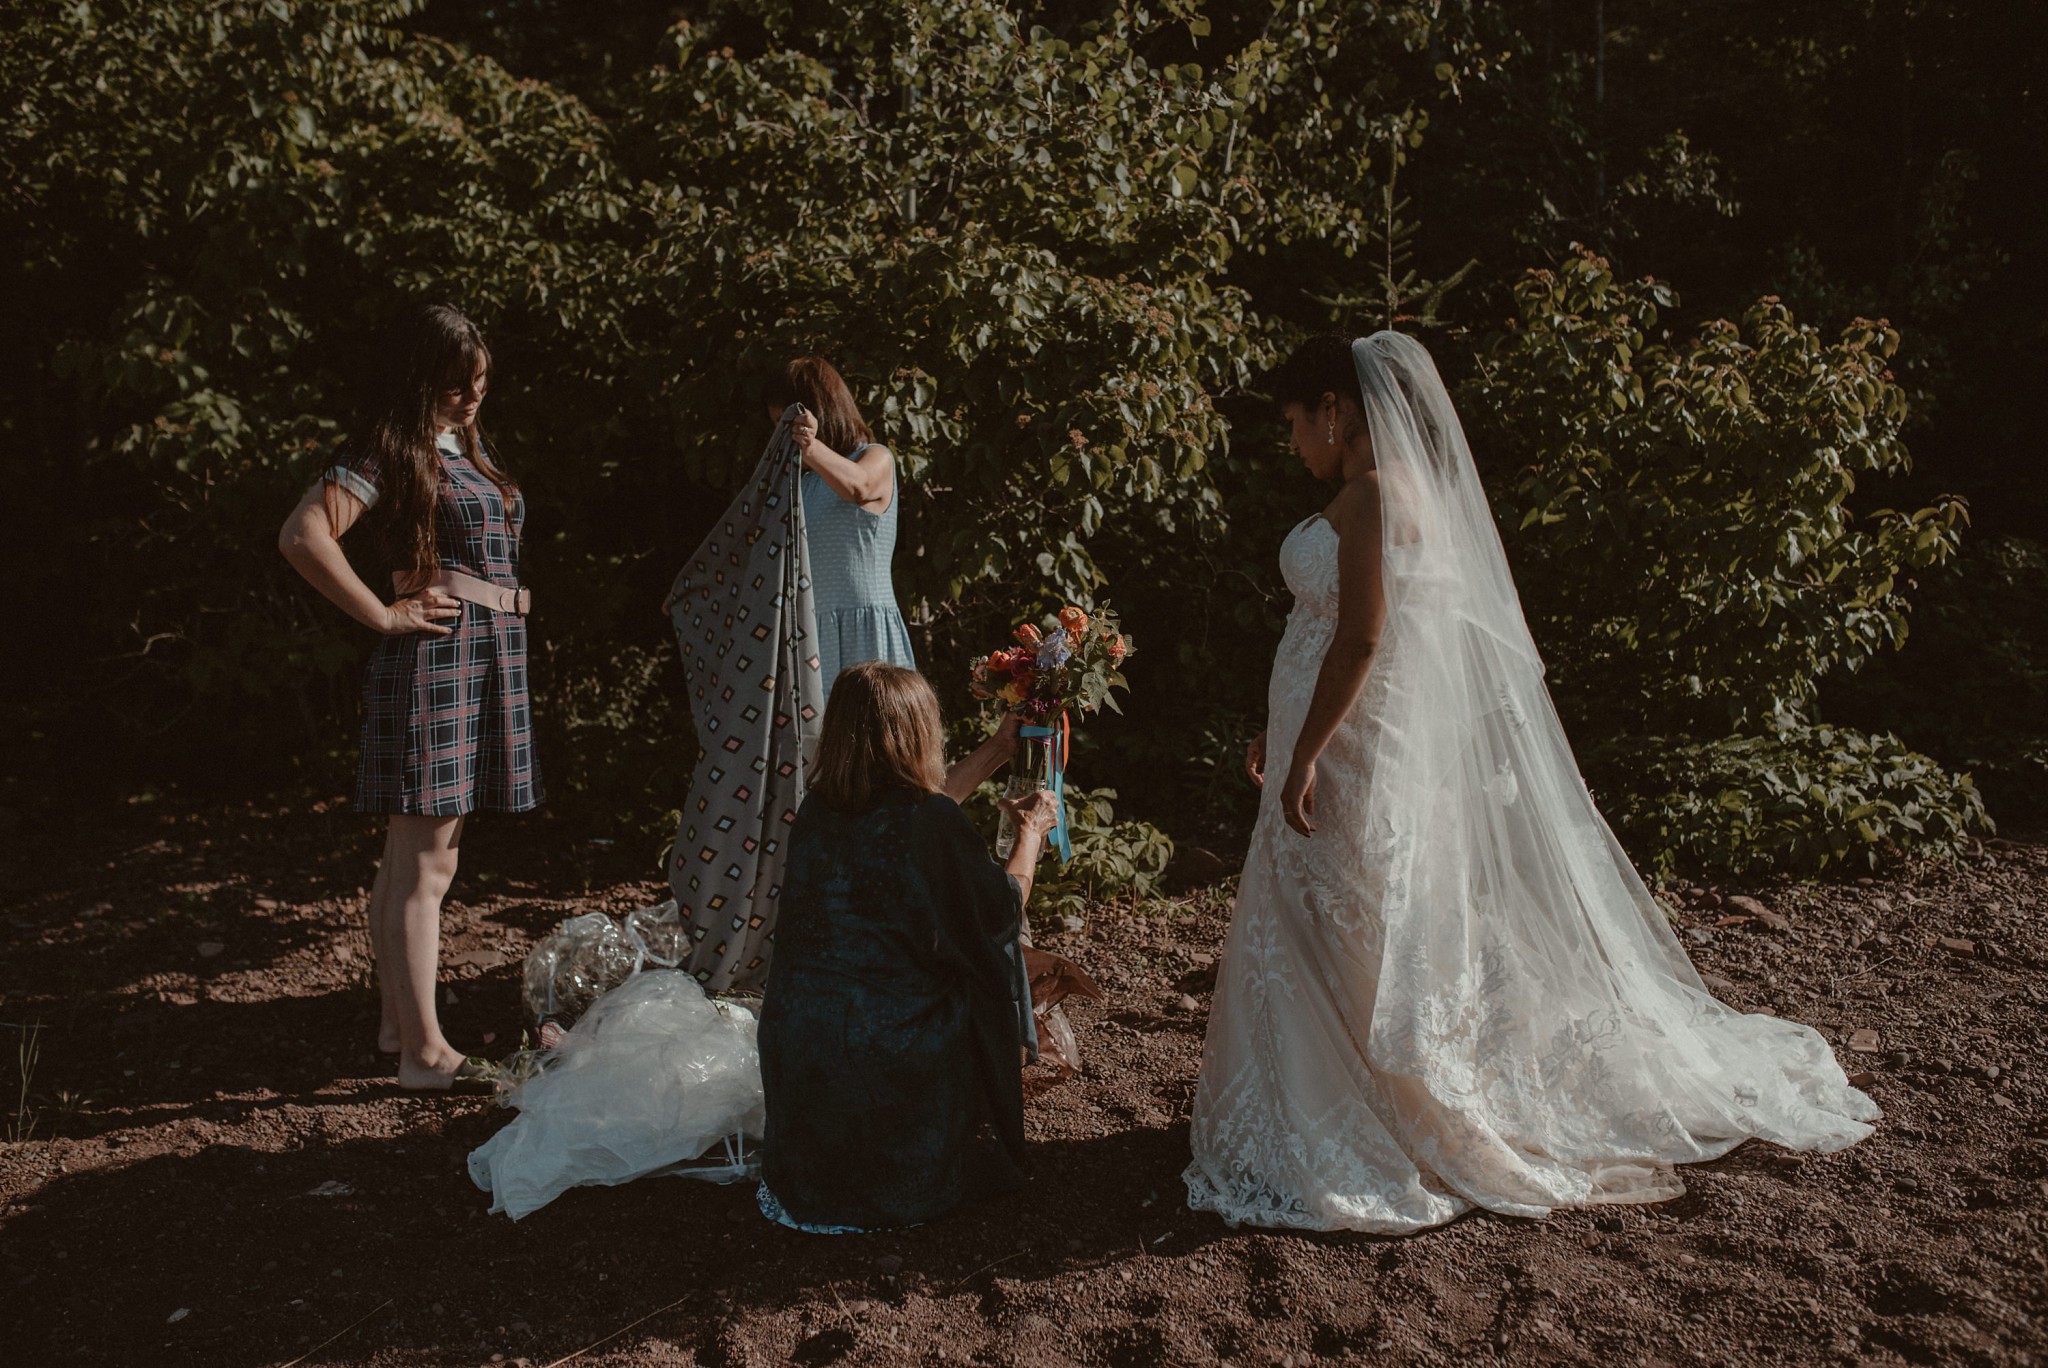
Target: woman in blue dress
(790, 587)
(849, 496)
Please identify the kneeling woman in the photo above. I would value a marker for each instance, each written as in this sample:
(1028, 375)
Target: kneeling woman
(896, 1005)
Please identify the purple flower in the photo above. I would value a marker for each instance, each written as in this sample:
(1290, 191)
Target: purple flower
(1053, 651)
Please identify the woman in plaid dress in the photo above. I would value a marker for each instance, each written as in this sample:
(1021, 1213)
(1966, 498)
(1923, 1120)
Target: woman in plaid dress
(447, 724)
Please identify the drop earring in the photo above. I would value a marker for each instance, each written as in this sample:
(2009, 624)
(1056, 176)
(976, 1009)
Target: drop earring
(1331, 438)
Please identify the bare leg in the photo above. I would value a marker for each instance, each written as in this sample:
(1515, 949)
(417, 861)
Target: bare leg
(419, 866)
(387, 983)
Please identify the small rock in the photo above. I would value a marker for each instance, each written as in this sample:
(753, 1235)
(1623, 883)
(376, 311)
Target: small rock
(208, 949)
(1188, 1004)
(1902, 1059)
(1717, 985)
(266, 904)
(1863, 1040)
(1194, 867)
(1906, 1182)
(1743, 903)
(1957, 944)
(890, 1263)
(178, 1315)
(1863, 1079)
(2001, 1100)
(333, 1187)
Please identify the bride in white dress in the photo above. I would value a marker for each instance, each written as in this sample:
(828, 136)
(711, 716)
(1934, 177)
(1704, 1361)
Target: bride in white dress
(1445, 987)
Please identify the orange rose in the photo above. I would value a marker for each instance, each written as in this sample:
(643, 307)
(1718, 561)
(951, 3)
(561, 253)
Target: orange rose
(1027, 634)
(1073, 619)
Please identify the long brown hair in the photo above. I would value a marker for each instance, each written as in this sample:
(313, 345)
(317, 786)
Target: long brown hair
(433, 350)
(882, 731)
(812, 382)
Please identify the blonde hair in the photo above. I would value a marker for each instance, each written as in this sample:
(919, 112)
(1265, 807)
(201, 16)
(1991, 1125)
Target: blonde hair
(881, 731)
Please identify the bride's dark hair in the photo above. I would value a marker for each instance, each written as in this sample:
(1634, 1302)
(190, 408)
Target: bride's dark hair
(1319, 366)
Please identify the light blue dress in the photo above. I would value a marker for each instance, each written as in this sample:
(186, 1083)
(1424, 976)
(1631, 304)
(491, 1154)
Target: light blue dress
(856, 603)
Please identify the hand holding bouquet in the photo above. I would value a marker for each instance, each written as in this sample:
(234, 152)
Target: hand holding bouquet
(1069, 662)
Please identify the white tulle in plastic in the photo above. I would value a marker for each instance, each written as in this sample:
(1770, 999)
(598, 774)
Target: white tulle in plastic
(652, 1077)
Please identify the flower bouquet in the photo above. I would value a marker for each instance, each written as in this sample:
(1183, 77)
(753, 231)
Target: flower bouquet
(1067, 663)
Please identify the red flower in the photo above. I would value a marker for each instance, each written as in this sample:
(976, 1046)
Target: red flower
(1027, 634)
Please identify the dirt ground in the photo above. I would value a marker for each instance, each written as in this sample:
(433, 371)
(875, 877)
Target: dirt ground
(218, 1172)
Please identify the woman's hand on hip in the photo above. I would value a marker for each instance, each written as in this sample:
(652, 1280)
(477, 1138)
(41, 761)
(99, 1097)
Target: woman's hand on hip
(1298, 797)
(1035, 813)
(422, 612)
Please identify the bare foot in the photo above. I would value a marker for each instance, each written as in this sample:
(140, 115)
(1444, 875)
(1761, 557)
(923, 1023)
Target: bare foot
(437, 1076)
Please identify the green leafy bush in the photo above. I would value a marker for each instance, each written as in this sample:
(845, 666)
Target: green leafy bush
(1805, 799)
(1018, 243)
(1114, 861)
(1971, 683)
(1678, 511)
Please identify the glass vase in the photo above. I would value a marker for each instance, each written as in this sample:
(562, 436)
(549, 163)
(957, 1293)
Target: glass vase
(1029, 772)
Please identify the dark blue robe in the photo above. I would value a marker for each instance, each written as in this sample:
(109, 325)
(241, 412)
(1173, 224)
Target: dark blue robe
(890, 1025)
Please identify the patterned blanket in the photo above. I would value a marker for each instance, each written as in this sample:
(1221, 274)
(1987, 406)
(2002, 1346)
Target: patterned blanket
(748, 631)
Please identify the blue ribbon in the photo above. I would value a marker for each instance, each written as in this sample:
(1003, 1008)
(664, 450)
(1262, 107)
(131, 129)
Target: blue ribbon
(1059, 786)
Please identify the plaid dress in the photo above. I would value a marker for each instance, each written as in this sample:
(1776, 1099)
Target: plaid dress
(447, 720)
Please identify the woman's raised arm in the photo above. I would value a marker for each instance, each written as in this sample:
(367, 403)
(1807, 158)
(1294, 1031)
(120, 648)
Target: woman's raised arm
(991, 755)
(868, 480)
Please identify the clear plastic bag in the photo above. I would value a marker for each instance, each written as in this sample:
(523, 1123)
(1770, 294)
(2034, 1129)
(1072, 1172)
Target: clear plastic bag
(588, 956)
(654, 1078)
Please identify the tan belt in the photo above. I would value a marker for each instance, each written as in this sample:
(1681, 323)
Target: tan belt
(468, 588)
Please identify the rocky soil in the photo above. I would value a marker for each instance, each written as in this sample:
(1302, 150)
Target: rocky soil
(206, 1164)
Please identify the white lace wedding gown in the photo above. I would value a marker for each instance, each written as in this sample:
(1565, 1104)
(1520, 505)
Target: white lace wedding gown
(1457, 992)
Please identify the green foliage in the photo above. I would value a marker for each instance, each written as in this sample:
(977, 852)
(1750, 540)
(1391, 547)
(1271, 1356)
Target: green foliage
(1683, 535)
(1050, 249)
(1114, 861)
(214, 208)
(1679, 516)
(1971, 684)
(1805, 799)
(1018, 243)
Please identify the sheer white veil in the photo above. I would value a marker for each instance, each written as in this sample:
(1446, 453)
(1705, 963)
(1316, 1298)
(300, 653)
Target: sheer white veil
(1522, 953)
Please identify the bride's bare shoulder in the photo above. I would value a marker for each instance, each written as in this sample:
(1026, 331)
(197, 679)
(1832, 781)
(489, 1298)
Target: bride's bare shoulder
(1357, 504)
